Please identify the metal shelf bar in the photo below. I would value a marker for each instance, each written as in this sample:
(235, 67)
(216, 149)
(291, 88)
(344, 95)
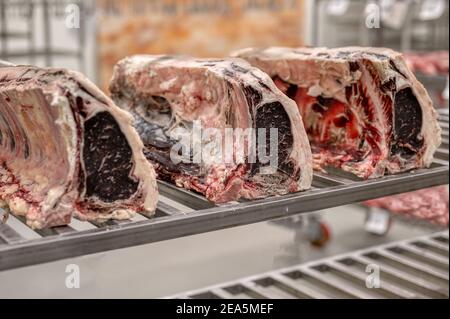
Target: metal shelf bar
(168, 210)
(302, 290)
(414, 264)
(405, 277)
(120, 236)
(337, 284)
(183, 196)
(329, 180)
(340, 275)
(53, 53)
(386, 286)
(329, 190)
(426, 254)
(437, 245)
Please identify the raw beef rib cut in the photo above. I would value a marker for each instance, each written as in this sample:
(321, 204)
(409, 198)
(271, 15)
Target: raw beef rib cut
(363, 109)
(65, 149)
(168, 94)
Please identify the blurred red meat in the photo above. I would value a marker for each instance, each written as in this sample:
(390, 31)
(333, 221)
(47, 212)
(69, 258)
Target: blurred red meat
(430, 63)
(429, 204)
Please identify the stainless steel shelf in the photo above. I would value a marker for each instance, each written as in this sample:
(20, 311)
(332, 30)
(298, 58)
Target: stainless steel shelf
(416, 268)
(182, 213)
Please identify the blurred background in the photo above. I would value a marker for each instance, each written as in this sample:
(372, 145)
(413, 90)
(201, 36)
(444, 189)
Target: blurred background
(91, 36)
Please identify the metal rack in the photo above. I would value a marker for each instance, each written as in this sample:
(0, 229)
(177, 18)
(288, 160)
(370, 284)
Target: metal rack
(182, 213)
(414, 268)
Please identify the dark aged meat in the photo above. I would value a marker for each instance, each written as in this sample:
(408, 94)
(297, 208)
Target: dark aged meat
(174, 94)
(66, 148)
(429, 204)
(363, 110)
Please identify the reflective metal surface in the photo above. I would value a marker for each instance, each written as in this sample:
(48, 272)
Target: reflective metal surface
(396, 270)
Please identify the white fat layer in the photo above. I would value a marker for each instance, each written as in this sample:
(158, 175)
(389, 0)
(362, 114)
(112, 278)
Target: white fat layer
(54, 199)
(304, 67)
(48, 127)
(66, 122)
(18, 206)
(117, 214)
(9, 190)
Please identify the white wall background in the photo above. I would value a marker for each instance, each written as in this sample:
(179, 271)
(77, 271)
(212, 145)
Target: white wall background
(331, 32)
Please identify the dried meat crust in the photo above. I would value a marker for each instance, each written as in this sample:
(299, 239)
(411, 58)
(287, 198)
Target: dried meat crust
(66, 149)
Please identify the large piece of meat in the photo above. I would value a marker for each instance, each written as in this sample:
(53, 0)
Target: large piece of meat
(363, 109)
(66, 149)
(172, 97)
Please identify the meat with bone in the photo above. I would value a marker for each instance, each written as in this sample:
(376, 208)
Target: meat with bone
(177, 94)
(363, 110)
(66, 148)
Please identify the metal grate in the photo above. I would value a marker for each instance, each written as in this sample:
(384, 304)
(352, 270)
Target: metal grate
(415, 268)
(181, 213)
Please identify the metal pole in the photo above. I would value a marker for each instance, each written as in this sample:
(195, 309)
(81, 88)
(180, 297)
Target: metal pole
(315, 22)
(47, 33)
(3, 30)
(81, 37)
(380, 33)
(30, 35)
